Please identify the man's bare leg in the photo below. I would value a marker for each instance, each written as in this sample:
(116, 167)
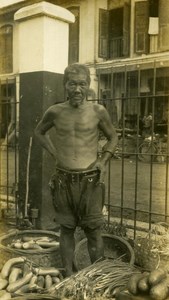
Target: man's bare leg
(67, 247)
(95, 243)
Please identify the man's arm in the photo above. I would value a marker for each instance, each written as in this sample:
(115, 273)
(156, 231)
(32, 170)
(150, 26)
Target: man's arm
(109, 132)
(41, 132)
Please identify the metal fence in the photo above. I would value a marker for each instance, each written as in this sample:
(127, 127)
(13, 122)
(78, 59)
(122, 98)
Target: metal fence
(137, 98)
(9, 131)
(138, 174)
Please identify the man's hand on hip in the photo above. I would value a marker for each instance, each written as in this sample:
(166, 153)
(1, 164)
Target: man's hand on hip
(101, 166)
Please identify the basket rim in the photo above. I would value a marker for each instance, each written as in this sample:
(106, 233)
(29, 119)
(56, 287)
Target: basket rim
(112, 236)
(28, 251)
(35, 296)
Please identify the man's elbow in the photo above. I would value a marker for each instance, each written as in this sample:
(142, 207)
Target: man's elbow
(115, 137)
(37, 133)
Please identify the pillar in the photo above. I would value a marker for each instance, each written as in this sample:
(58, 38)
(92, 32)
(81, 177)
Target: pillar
(43, 55)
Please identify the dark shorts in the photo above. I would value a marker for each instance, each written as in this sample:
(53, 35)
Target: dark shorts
(78, 198)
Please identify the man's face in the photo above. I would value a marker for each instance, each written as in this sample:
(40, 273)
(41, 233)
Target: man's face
(77, 88)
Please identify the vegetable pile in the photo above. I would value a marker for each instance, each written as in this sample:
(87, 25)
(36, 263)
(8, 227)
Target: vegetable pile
(30, 243)
(18, 276)
(102, 279)
(154, 283)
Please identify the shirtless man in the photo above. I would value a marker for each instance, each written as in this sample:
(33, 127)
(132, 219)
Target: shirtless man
(78, 185)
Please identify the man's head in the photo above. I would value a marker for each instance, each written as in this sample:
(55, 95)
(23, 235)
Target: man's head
(76, 82)
(76, 69)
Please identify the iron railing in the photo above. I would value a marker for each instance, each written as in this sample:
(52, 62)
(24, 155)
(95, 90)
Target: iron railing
(9, 131)
(137, 180)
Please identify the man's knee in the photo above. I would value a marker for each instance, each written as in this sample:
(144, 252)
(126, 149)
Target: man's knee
(66, 230)
(93, 232)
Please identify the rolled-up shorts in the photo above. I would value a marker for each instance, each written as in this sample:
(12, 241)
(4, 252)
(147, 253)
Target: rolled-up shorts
(78, 198)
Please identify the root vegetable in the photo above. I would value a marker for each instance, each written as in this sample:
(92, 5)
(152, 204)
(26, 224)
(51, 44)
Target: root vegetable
(30, 245)
(14, 275)
(9, 264)
(41, 281)
(47, 271)
(26, 269)
(12, 287)
(156, 276)
(4, 295)
(17, 245)
(132, 284)
(3, 284)
(55, 279)
(45, 244)
(33, 279)
(27, 288)
(35, 238)
(143, 284)
(160, 290)
(48, 281)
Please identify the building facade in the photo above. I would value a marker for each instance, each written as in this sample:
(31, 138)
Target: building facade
(125, 43)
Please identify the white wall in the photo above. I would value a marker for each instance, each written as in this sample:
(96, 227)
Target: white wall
(89, 30)
(42, 40)
(43, 37)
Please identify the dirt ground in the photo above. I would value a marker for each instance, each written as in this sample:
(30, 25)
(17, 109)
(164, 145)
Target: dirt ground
(138, 188)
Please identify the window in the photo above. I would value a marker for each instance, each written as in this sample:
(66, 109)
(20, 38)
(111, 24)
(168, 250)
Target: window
(114, 32)
(7, 110)
(141, 27)
(74, 36)
(6, 41)
(163, 42)
(103, 33)
(146, 26)
(153, 8)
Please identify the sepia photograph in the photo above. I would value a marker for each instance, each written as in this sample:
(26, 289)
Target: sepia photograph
(84, 149)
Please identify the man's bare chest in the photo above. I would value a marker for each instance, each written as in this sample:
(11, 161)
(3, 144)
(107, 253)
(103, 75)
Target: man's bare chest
(76, 122)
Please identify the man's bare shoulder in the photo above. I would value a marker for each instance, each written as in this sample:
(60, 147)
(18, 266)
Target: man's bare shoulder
(99, 109)
(53, 111)
(56, 108)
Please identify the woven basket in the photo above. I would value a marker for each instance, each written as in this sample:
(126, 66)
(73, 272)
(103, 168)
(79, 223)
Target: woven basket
(49, 257)
(34, 296)
(114, 247)
(152, 251)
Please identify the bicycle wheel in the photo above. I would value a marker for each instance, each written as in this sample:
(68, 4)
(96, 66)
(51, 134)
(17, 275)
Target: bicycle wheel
(146, 151)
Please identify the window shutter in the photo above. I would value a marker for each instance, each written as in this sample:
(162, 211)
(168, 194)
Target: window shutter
(141, 27)
(6, 49)
(74, 37)
(126, 29)
(103, 33)
(163, 26)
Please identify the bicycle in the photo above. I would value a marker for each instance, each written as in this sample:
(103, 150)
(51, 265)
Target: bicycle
(153, 149)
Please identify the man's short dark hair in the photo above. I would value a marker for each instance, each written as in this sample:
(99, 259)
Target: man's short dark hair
(76, 69)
